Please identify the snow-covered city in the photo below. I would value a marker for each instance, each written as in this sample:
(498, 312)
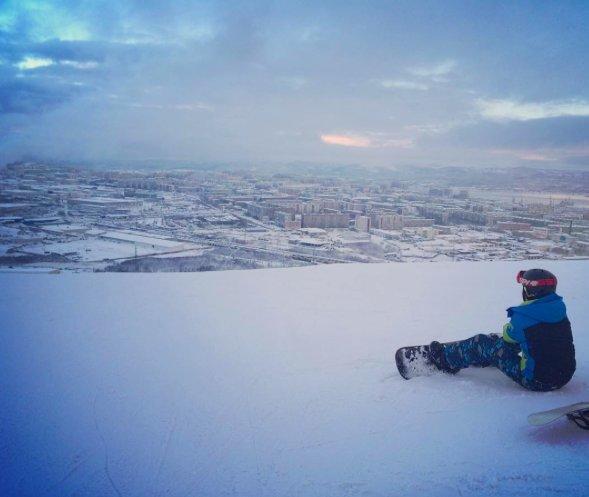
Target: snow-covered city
(80, 219)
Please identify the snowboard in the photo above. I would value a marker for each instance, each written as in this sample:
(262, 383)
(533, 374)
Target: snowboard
(415, 361)
(546, 417)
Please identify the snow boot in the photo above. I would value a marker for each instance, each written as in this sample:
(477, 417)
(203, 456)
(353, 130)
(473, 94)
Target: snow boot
(438, 358)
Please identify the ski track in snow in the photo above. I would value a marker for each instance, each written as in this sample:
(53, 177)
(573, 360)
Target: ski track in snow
(106, 457)
(275, 383)
(165, 452)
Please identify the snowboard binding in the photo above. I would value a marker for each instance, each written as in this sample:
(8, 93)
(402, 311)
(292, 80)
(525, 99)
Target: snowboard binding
(580, 418)
(577, 413)
(422, 360)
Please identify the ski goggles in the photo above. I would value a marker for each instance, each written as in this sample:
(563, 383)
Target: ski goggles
(523, 281)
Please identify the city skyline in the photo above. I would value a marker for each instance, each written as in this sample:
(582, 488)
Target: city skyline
(428, 83)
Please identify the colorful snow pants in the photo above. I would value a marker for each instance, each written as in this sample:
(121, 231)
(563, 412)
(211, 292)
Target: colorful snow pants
(486, 350)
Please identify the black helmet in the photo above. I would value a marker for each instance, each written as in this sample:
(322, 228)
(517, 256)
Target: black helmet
(537, 283)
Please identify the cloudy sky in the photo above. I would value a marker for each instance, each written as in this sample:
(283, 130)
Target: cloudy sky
(383, 83)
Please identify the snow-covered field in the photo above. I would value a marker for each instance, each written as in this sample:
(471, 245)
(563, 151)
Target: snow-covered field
(93, 249)
(275, 383)
(89, 250)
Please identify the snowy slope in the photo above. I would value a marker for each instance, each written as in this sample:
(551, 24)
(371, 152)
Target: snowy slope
(274, 383)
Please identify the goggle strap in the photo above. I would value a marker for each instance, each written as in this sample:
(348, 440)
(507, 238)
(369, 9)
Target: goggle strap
(545, 282)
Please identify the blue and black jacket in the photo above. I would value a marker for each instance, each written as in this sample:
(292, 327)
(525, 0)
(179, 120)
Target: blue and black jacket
(543, 332)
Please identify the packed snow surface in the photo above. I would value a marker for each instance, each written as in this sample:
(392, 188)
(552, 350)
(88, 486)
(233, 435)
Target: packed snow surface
(275, 383)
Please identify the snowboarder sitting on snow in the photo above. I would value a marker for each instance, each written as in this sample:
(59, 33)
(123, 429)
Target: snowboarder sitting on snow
(536, 349)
